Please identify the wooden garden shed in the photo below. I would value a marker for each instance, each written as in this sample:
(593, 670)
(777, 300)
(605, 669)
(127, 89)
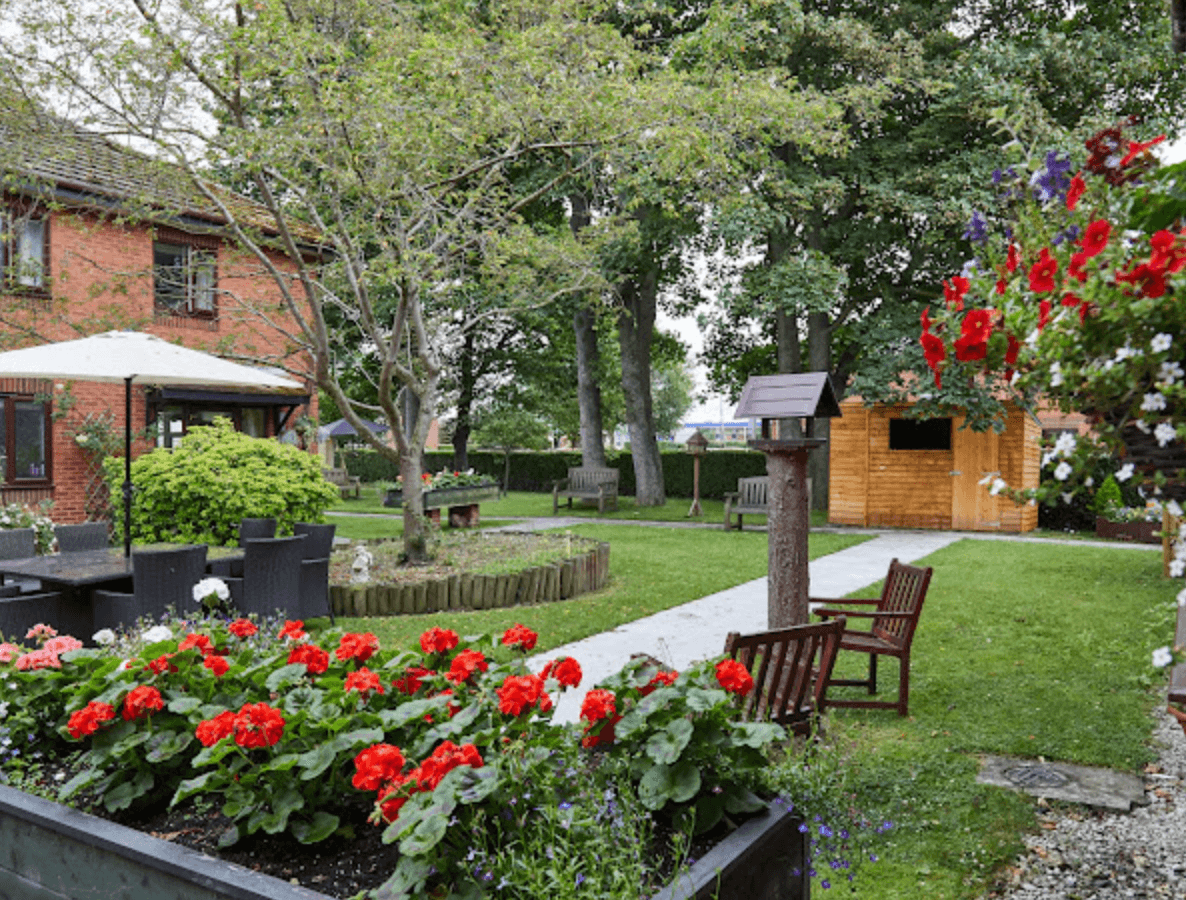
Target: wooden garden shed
(891, 470)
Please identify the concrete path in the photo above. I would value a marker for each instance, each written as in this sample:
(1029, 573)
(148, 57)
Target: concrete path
(684, 634)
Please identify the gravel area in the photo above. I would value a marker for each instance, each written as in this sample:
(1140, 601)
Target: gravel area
(1082, 854)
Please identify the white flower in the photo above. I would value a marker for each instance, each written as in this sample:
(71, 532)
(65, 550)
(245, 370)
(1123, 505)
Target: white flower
(1126, 353)
(1055, 374)
(125, 665)
(1162, 657)
(985, 480)
(1142, 425)
(1088, 481)
(998, 485)
(1182, 597)
(157, 633)
(1047, 458)
(208, 586)
(104, 636)
(1065, 445)
(3, 709)
(1125, 472)
(1153, 402)
(1169, 373)
(1063, 471)
(1177, 568)
(1174, 508)
(1067, 498)
(1161, 342)
(1165, 433)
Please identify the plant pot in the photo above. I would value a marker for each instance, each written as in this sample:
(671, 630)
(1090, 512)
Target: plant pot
(1138, 532)
(52, 852)
(755, 862)
(466, 495)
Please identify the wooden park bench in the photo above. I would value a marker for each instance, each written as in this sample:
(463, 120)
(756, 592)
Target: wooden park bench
(752, 497)
(791, 669)
(346, 483)
(894, 618)
(590, 484)
(1177, 695)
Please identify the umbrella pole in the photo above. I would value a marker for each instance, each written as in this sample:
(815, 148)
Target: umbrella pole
(128, 466)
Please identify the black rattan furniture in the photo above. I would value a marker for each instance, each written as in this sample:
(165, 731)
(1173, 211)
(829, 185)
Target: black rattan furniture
(77, 538)
(319, 542)
(17, 543)
(160, 578)
(20, 613)
(271, 577)
(249, 529)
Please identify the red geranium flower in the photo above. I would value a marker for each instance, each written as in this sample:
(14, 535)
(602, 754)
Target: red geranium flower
(391, 798)
(363, 680)
(357, 646)
(216, 664)
(414, 676)
(293, 630)
(520, 636)
(377, 765)
(601, 733)
(314, 659)
(597, 705)
(565, 670)
(1095, 238)
(465, 664)
(659, 679)
(198, 641)
(242, 628)
(211, 731)
(1042, 272)
(142, 701)
(734, 677)
(258, 725)
(88, 719)
(445, 758)
(161, 665)
(438, 640)
(519, 692)
(1075, 191)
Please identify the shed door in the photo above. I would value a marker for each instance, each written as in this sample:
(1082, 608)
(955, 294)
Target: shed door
(975, 456)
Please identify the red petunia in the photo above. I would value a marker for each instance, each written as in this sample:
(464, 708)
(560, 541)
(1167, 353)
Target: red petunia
(377, 765)
(598, 704)
(359, 647)
(216, 664)
(242, 628)
(520, 692)
(1075, 191)
(1075, 269)
(565, 670)
(734, 677)
(363, 680)
(975, 330)
(258, 725)
(1001, 285)
(294, 630)
(1043, 314)
(932, 348)
(314, 659)
(953, 292)
(142, 701)
(199, 642)
(465, 664)
(925, 319)
(438, 640)
(1135, 149)
(520, 637)
(211, 731)
(1042, 272)
(1095, 238)
(413, 677)
(88, 719)
(1069, 299)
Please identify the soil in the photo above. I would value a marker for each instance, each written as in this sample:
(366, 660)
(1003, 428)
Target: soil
(480, 552)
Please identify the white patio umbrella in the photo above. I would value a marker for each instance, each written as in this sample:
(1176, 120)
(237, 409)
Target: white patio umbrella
(129, 356)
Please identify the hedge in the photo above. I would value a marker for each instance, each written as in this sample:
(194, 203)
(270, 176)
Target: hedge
(535, 472)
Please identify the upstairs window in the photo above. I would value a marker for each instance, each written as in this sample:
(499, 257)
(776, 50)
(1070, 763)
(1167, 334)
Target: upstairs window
(183, 279)
(24, 242)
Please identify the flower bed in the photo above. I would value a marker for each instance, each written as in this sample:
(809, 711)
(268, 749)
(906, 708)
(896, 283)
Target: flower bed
(451, 744)
(1138, 532)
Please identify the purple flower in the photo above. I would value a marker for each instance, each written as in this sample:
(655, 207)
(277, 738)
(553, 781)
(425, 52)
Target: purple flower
(977, 230)
(580, 877)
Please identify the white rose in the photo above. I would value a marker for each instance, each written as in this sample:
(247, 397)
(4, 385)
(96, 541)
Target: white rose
(156, 634)
(208, 586)
(1063, 471)
(1162, 657)
(104, 637)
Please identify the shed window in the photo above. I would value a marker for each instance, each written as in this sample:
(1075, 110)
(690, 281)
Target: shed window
(920, 434)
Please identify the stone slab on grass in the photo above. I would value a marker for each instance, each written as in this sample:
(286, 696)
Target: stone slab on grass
(1088, 785)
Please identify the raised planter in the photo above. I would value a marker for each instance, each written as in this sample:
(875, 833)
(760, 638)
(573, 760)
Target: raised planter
(467, 495)
(52, 852)
(562, 580)
(1138, 532)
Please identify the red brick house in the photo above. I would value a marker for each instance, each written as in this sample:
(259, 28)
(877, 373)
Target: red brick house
(95, 237)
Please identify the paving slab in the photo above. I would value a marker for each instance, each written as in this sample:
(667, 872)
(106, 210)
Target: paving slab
(1088, 785)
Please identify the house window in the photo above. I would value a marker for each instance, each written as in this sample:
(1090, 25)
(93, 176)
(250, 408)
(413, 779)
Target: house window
(24, 440)
(23, 251)
(920, 434)
(183, 279)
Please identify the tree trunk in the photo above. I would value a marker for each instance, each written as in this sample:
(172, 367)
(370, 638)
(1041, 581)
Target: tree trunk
(636, 325)
(465, 403)
(411, 465)
(588, 391)
(789, 362)
(819, 353)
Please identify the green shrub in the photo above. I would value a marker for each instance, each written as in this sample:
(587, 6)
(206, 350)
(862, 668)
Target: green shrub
(200, 491)
(1108, 497)
(15, 515)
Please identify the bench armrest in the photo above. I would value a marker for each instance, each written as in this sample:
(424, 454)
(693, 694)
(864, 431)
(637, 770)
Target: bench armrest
(862, 601)
(559, 483)
(825, 612)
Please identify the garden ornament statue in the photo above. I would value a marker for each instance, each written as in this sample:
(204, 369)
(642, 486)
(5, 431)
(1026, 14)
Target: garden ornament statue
(361, 567)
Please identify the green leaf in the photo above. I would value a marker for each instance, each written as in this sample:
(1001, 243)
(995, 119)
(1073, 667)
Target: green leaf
(407, 879)
(478, 784)
(316, 761)
(192, 786)
(122, 795)
(701, 700)
(709, 810)
(666, 746)
(322, 826)
(352, 739)
(285, 676)
(406, 712)
(78, 782)
(426, 835)
(167, 744)
(183, 705)
(685, 782)
(661, 783)
(740, 800)
(757, 734)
